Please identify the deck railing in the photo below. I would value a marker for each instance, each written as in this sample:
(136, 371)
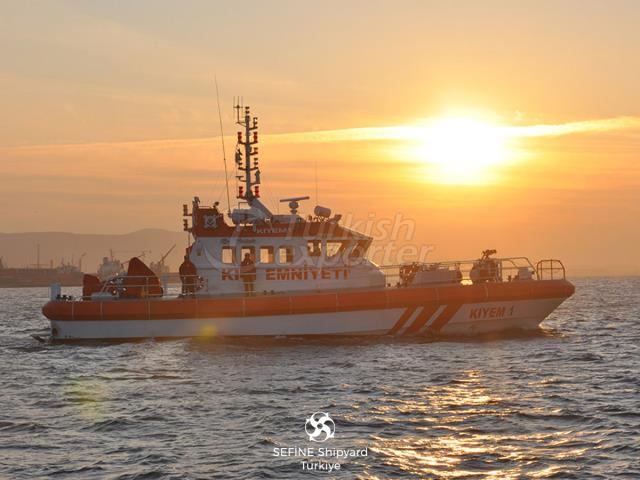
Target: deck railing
(508, 269)
(468, 271)
(148, 286)
(550, 269)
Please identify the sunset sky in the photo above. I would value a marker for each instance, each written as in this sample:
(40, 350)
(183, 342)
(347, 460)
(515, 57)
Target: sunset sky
(491, 124)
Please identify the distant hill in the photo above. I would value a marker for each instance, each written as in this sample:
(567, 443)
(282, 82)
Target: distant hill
(20, 249)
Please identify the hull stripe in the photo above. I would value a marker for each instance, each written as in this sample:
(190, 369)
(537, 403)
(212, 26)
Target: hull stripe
(466, 321)
(401, 321)
(444, 318)
(240, 307)
(410, 321)
(420, 320)
(433, 318)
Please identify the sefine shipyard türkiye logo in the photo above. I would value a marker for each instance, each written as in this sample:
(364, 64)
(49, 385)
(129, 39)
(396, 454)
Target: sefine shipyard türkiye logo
(320, 427)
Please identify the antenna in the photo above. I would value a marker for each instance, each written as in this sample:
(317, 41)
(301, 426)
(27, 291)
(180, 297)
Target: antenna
(247, 161)
(293, 203)
(317, 200)
(224, 153)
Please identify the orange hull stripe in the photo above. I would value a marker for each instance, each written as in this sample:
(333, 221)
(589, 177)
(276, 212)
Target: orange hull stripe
(422, 319)
(444, 317)
(402, 320)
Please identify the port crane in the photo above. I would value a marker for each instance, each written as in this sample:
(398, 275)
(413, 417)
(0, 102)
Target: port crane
(159, 267)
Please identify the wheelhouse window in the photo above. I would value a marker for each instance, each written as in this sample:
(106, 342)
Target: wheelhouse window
(335, 248)
(359, 251)
(314, 248)
(267, 254)
(285, 254)
(244, 251)
(228, 255)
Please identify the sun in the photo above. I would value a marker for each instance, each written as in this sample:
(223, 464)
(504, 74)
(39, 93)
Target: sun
(462, 150)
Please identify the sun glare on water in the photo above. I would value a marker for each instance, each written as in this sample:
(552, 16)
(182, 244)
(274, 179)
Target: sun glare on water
(462, 150)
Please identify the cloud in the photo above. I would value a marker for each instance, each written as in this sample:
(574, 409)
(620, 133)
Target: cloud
(390, 133)
(412, 132)
(586, 126)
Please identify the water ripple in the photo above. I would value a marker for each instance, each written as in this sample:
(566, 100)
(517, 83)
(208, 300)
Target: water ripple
(559, 403)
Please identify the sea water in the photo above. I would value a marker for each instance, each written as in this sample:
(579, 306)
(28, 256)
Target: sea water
(562, 402)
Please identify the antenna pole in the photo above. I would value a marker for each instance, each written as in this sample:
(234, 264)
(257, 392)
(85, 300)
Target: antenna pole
(247, 163)
(317, 200)
(224, 153)
(247, 156)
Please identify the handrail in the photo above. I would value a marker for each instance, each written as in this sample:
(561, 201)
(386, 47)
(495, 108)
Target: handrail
(551, 266)
(505, 269)
(117, 285)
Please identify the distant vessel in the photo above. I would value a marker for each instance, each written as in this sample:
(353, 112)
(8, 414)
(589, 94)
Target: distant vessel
(272, 274)
(65, 274)
(110, 267)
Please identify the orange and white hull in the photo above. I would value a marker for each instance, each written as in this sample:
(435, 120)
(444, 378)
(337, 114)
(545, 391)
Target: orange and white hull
(444, 310)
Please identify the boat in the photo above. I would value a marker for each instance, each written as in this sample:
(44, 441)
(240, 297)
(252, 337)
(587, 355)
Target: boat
(65, 274)
(258, 273)
(110, 267)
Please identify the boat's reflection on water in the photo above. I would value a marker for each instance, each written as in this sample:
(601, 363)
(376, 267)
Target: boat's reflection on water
(466, 428)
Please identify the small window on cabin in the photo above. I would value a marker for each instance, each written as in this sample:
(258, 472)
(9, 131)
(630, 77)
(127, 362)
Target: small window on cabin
(267, 254)
(285, 255)
(358, 251)
(314, 248)
(334, 248)
(244, 251)
(227, 254)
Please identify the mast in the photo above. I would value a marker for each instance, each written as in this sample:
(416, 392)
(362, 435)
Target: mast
(247, 161)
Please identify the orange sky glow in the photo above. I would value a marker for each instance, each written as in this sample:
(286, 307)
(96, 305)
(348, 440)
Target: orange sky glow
(513, 126)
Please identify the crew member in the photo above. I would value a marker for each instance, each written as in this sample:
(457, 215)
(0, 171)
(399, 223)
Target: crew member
(248, 273)
(188, 274)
